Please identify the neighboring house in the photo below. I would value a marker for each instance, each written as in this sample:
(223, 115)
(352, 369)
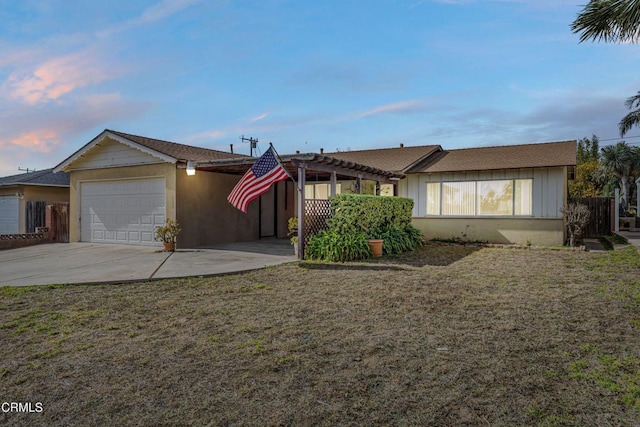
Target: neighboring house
(122, 186)
(502, 194)
(17, 191)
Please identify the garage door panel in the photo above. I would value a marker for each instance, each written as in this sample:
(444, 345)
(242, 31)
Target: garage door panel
(122, 211)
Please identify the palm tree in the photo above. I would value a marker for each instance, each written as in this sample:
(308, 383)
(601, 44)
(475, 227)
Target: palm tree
(609, 21)
(623, 162)
(633, 118)
(613, 21)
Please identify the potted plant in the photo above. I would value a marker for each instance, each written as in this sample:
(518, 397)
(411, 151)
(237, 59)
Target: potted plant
(167, 234)
(375, 241)
(293, 232)
(375, 246)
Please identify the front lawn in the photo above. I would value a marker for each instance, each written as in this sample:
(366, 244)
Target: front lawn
(448, 335)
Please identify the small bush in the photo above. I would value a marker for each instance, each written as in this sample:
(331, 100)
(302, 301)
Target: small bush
(400, 239)
(335, 246)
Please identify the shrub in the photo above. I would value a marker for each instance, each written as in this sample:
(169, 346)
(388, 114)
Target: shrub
(356, 218)
(576, 217)
(357, 213)
(400, 239)
(335, 246)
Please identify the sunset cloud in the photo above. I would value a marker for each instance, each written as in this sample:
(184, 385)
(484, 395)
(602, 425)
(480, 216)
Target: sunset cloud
(56, 77)
(42, 140)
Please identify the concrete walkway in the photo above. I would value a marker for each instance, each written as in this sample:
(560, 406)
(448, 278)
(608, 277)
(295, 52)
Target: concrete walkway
(633, 237)
(106, 263)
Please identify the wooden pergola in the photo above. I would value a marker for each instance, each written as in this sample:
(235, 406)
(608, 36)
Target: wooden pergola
(324, 168)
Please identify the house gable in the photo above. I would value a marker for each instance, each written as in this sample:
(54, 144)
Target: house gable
(110, 153)
(109, 150)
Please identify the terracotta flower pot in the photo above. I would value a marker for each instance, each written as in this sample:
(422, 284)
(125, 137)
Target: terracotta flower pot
(375, 245)
(169, 246)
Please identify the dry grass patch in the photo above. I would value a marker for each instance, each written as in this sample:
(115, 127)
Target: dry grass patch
(446, 336)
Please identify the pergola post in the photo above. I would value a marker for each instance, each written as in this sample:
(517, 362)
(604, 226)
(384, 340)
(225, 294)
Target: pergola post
(301, 202)
(359, 184)
(334, 180)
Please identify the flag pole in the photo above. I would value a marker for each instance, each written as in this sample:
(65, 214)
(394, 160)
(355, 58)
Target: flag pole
(280, 160)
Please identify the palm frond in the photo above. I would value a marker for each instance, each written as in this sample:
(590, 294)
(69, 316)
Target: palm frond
(633, 101)
(630, 120)
(609, 21)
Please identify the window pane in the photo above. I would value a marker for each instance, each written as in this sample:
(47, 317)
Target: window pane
(386, 189)
(524, 197)
(308, 191)
(322, 191)
(495, 197)
(458, 198)
(433, 198)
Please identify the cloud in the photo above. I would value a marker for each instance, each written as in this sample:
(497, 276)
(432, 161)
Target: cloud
(37, 140)
(409, 106)
(56, 77)
(152, 14)
(49, 127)
(260, 117)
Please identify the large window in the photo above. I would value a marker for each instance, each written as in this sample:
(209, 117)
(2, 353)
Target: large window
(320, 191)
(507, 197)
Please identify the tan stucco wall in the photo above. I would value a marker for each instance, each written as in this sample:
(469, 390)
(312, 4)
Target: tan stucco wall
(166, 170)
(537, 231)
(205, 215)
(207, 218)
(34, 193)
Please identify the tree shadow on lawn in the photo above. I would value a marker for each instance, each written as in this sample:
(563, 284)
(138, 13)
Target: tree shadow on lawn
(433, 255)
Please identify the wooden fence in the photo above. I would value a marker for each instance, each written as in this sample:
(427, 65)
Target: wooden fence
(60, 222)
(36, 212)
(600, 222)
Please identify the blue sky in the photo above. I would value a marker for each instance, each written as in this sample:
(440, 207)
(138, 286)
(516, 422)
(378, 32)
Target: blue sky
(304, 75)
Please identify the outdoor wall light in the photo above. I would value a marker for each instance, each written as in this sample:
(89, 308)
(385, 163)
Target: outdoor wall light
(191, 168)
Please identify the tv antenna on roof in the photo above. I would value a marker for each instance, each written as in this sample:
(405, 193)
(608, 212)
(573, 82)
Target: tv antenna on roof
(253, 142)
(27, 170)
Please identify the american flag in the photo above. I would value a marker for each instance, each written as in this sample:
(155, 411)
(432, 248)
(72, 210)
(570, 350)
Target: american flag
(257, 180)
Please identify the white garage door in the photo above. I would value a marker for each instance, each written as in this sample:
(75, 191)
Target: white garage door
(9, 215)
(125, 212)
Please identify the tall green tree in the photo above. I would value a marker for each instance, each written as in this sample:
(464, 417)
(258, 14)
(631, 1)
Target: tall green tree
(615, 21)
(590, 178)
(623, 162)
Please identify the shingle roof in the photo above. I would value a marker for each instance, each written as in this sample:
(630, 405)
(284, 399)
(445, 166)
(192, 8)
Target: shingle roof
(392, 159)
(547, 154)
(176, 150)
(44, 177)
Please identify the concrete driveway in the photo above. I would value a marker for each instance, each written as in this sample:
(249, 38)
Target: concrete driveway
(103, 263)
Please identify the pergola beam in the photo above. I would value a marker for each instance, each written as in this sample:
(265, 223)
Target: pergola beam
(355, 171)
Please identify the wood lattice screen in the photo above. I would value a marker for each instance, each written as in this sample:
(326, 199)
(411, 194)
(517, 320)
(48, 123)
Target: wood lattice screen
(316, 214)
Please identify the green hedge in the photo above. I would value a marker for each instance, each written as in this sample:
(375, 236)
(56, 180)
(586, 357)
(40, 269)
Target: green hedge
(356, 213)
(356, 218)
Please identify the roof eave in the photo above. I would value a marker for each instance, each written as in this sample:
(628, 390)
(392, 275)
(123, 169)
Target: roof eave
(492, 169)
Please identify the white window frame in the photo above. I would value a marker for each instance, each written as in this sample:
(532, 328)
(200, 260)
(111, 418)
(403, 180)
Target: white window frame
(477, 183)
